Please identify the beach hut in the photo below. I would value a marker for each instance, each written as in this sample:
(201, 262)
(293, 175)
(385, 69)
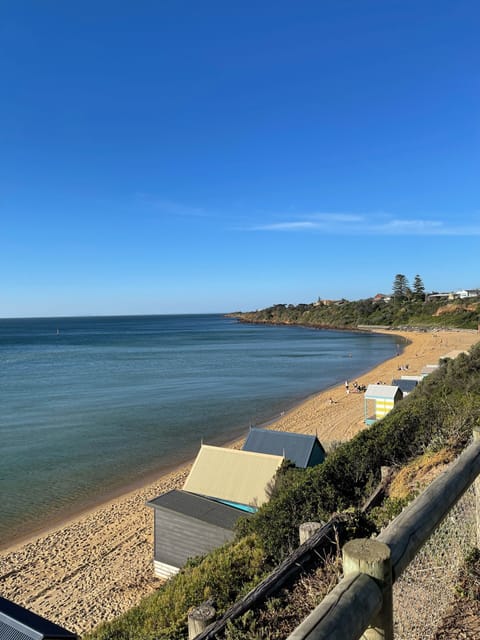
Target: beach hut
(18, 623)
(301, 449)
(453, 354)
(417, 378)
(429, 368)
(380, 400)
(406, 386)
(239, 478)
(187, 525)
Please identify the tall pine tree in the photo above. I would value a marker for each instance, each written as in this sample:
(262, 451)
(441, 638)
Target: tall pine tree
(418, 288)
(400, 286)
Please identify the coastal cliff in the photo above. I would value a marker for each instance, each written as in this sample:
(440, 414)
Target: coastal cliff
(371, 312)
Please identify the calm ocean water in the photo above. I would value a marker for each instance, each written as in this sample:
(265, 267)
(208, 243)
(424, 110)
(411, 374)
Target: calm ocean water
(91, 405)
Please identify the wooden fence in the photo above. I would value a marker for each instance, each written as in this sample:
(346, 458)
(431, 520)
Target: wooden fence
(319, 545)
(360, 606)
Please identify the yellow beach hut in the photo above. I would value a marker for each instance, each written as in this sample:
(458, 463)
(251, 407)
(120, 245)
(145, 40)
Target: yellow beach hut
(380, 400)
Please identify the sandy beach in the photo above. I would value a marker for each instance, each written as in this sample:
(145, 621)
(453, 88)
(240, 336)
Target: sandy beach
(94, 567)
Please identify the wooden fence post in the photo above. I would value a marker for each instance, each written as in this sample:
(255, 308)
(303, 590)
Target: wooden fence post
(385, 473)
(199, 618)
(373, 558)
(476, 484)
(307, 529)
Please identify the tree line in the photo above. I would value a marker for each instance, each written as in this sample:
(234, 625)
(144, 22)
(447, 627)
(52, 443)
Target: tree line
(401, 288)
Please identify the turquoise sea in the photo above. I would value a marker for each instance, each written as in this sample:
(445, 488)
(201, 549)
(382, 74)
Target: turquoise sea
(90, 406)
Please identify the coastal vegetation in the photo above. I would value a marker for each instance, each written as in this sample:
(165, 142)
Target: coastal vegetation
(345, 314)
(404, 307)
(428, 427)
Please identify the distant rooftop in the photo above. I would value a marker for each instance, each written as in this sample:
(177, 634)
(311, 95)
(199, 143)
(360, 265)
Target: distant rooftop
(297, 447)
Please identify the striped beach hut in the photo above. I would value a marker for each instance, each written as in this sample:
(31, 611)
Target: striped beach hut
(187, 525)
(301, 449)
(380, 400)
(18, 623)
(239, 478)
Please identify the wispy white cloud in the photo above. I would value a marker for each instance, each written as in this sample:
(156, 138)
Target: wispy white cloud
(287, 226)
(170, 207)
(314, 222)
(370, 224)
(337, 217)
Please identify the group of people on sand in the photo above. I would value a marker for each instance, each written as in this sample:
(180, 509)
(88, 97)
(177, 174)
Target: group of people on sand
(357, 388)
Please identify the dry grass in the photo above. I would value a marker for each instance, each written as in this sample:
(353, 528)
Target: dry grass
(419, 473)
(279, 616)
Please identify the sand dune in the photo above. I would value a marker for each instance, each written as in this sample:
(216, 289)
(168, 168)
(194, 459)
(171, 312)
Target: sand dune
(98, 565)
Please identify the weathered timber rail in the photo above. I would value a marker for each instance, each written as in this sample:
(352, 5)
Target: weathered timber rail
(361, 604)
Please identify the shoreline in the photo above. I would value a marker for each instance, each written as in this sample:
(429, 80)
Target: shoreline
(93, 566)
(236, 434)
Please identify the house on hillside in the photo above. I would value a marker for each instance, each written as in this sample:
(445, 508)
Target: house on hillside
(18, 623)
(187, 525)
(380, 400)
(468, 293)
(439, 296)
(242, 479)
(301, 449)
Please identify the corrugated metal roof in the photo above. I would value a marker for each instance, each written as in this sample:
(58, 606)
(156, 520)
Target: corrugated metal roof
(296, 447)
(384, 391)
(198, 507)
(405, 385)
(229, 474)
(18, 623)
(9, 632)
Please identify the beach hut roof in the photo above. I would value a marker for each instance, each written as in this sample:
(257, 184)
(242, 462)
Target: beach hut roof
(405, 385)
(235, 476)
(381, 391)
(198, 507)
(429, 368)
(297, 447)
(417, 378)
(18, 623)
(454, 354)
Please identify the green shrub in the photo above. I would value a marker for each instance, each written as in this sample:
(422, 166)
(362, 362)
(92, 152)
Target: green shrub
(389, 510)
(222, 575)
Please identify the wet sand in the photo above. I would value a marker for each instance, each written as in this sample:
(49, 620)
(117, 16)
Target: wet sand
(98, 565)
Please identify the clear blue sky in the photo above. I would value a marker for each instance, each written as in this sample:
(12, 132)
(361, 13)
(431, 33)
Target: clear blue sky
(184, 156)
